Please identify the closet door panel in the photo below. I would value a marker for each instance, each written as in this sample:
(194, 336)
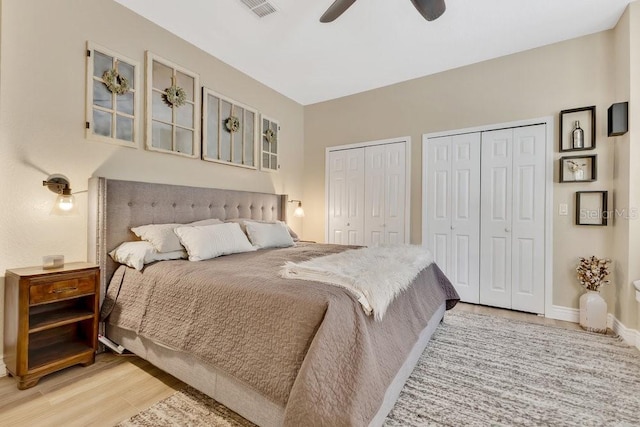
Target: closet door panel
(496, 211)
(528, 218)
(395, 193)
(337, 197)
(346, 197)
(374, 201)
(465, 216)
(355, 196)
(438, 203)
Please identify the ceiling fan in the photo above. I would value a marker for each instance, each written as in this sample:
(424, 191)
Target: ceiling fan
(430, 9)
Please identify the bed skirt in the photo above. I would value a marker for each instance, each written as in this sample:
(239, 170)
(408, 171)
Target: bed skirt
(236, 395)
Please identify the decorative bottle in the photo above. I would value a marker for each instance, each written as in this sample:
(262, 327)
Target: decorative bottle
(593, 312)
(577, 136)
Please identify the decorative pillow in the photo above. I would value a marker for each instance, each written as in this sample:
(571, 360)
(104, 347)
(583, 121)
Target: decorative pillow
(162, 237)
(210, 221)
(242, 221)
(265, 235)
(211, 241)
(137, 254)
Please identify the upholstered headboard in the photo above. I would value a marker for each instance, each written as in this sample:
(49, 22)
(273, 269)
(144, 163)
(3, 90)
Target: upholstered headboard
(116, 206)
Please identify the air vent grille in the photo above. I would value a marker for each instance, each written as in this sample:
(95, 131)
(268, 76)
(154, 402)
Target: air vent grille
(261, 8)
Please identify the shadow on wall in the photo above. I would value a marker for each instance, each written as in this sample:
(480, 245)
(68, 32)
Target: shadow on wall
(25, 161)
(145, 166)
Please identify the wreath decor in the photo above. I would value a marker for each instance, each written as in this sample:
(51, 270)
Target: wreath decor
(115, 82)
(270, 136)
(232, 124)
(175, 96)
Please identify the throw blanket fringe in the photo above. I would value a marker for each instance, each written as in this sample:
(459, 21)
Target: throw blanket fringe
(375, 275)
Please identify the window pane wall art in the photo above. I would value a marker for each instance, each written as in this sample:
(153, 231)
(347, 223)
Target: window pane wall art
(229, 131)
(173, 108)
(269, 143)
(113, 97)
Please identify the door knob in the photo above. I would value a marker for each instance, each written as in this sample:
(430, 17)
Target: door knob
(507, 229)
(348, 224)
(453, 227)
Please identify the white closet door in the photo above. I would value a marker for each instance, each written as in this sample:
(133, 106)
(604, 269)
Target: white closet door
(395, 193)
(374, 203)
(512, 227)
(346, 197)
(465, 216)
(495, 229)
(438, 203)
(528, 218)
(453, 205)
(384, 200)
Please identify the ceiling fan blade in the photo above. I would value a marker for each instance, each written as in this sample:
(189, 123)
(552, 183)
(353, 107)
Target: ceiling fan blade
(336, 9)
(430, 9)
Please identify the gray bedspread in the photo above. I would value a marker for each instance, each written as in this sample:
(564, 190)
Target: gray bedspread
(307, 346)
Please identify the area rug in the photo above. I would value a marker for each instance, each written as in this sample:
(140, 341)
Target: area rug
(482, 370)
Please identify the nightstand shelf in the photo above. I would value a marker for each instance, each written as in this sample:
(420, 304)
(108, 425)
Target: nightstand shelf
(51, 320)
(40, 357)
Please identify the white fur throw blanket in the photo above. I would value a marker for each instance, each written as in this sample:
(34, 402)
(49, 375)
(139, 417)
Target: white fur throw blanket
(376, 275)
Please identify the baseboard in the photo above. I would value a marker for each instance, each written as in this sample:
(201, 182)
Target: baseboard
(568, 314)
(564, 313)
(3, 368)
(630, 336)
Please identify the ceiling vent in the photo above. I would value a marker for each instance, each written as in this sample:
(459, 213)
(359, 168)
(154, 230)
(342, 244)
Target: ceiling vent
(261, 8)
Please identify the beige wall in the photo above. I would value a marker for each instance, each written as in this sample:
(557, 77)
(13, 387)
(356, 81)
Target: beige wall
(621, 173)
(627, 305)
(531, 84)
(42, 79)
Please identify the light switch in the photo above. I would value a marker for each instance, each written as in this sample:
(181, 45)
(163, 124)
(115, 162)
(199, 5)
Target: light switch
(563, 209)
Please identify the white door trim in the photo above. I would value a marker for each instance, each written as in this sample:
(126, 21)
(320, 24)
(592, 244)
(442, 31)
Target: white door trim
(549, 121)
(407, 201)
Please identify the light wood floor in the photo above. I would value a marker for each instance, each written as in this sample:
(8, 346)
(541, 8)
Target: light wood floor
(116, 388)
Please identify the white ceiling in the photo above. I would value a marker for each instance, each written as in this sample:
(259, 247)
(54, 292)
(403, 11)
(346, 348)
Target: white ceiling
(375, 43)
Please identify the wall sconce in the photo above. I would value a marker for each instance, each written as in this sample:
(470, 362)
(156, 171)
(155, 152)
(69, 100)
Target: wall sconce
(299, 212)
(65, 204)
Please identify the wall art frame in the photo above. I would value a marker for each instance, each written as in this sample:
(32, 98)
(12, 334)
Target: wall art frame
(591, 208)
(587, 118)
(173, 117)
(269, 144)
(579, 168)
(112, 108)
(226, 142)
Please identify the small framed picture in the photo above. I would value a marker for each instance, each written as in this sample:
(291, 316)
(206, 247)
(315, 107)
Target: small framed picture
(578, 168)
(578, 129)
(591, 208)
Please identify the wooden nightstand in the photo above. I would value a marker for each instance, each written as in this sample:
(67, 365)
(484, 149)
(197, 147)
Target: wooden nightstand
(50, 319)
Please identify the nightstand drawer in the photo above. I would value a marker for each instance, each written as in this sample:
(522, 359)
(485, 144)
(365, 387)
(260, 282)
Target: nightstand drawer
(53, 291)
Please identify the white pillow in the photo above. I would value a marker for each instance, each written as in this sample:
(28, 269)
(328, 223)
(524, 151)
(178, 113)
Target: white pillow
(265, 235)
(137, 254)
(210, 221)
(211, 241)
(242, 222)
(162, 236)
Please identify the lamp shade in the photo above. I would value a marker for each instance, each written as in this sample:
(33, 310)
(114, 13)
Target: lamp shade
(299, 212)
(65, 205)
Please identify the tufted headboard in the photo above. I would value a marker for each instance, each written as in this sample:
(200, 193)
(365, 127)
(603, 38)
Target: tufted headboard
(116, 206)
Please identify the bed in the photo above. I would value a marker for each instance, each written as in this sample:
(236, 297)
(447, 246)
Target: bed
(277, 351)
